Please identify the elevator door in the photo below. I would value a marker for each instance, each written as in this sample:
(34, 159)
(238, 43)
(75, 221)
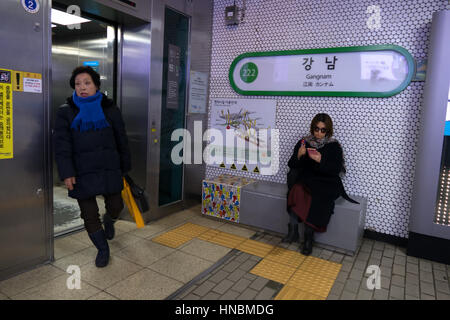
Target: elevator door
(93, 44)
(173, 104)
(24, 219)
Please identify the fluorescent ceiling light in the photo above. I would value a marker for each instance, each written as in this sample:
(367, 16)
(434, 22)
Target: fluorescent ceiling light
(64, 18)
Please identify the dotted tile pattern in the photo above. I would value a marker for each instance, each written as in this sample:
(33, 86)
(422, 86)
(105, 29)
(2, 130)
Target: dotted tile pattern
(379, 136)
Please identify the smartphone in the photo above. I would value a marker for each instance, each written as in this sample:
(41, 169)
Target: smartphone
(311, 151)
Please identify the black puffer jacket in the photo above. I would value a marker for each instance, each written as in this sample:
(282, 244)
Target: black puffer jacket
(321, 179)
(97, 159)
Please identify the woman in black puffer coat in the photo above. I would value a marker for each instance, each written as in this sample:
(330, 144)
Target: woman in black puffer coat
(92, 155)
(314, 181)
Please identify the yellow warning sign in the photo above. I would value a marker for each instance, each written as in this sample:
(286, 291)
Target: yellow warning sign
(6, 115)
(244, 168)
(17, 80)
(256, 170)
(222, 165)
(26, 81)
(233, 166)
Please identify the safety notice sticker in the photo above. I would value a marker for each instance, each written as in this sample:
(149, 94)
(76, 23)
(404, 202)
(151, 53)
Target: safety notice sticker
(6, 115)
(32, 82)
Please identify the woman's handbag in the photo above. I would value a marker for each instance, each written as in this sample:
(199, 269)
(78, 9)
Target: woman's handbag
(128, 198)
(138, 194)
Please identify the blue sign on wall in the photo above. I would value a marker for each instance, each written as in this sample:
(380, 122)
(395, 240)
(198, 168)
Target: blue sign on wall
(93, 64)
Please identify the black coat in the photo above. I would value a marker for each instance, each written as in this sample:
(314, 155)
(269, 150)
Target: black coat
(97, 159)
(322, 180)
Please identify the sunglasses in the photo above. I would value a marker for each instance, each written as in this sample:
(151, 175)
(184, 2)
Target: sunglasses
(323, 130)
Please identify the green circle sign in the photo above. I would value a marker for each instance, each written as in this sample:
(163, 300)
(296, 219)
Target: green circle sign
(249, 72)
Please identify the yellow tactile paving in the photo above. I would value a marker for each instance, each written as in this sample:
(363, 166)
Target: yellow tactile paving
(255, 248)
(291, 293)
(321, 267)
(311, 282)
(172, 239)
(273, 271)
(227, 239)
(287, 257)
(191, 229)
(305, 278)
(209, 234)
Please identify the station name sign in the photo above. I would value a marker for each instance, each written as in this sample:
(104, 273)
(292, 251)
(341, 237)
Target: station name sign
(369, 71)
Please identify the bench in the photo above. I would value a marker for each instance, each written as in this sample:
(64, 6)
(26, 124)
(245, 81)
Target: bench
(263, 205)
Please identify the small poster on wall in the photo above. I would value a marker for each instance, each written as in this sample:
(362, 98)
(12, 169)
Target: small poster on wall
(173, 77)
(244, 134)
(197, 92)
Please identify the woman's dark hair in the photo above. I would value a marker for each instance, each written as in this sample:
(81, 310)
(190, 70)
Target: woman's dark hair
(322, 117)
(78, 70)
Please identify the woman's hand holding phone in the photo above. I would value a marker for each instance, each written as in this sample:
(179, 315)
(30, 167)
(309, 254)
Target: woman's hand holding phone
(301, 150)
(314, 154)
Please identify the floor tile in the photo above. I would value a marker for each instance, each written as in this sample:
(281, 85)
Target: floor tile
(148, 231)
(121, 241)
(65, 246)
(30, 279)
(79, 258)
(205, 250)
(236, 230)
(144, 252)
(145, 285)
(207, 222)
(57, 289)
(181, 266)
(102, 295)
(116, 270)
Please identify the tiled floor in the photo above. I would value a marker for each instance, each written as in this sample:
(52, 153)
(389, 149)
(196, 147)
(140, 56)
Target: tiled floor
(141, 268)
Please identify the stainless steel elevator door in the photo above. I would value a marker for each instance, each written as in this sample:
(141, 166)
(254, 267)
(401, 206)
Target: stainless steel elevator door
(24, 236)
(94, 44)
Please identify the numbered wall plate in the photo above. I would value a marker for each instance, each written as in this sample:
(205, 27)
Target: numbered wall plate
(31, 6)
(369, 71)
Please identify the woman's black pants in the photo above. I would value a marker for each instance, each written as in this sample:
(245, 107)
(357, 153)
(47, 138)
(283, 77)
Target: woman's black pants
(89, 210)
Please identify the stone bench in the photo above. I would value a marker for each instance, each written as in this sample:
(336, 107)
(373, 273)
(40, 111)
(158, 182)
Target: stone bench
(263, 205)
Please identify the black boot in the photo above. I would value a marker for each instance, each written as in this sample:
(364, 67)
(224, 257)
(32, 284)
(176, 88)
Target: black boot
(307, 245)
(98, 238)
(292, 235)
(108, 222)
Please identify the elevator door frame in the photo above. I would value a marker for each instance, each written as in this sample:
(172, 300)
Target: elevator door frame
(154, 116)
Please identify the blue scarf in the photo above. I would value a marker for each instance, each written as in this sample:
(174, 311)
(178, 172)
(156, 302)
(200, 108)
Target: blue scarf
(91, 116)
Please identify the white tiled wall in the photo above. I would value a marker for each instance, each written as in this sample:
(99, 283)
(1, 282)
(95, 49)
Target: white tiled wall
(379, 135)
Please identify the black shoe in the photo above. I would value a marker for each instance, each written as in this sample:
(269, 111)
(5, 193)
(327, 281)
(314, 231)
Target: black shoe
(307, 245)
(99, 240)
(292, 235)
(108, 222)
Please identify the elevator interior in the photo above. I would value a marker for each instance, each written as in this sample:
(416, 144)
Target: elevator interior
(92, 44)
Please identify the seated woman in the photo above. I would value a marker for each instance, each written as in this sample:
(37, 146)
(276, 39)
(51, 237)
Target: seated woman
(317, 161)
